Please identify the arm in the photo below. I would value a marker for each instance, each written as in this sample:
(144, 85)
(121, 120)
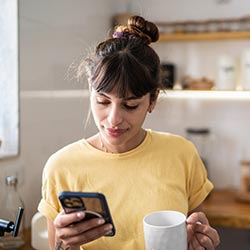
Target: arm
(51, 234)
(63, 235)
(200, 234)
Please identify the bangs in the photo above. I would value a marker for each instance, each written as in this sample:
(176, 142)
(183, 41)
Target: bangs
(121, 71)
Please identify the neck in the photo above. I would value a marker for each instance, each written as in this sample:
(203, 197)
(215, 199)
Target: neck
(103, 148)
(136, 143)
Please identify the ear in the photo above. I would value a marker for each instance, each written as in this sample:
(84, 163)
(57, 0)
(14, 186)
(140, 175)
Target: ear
(153, 102)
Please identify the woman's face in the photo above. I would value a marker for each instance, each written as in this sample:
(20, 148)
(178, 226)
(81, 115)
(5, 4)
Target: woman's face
(119, 120)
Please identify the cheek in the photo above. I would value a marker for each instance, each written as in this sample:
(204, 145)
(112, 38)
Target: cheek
(138, 117)
(97, 114)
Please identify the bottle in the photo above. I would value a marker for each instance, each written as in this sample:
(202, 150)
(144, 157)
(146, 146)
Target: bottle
(226, 73)
(245, 70)
(9, 205)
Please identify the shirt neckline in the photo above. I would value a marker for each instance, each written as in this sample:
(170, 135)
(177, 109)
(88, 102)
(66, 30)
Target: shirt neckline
(116, 155)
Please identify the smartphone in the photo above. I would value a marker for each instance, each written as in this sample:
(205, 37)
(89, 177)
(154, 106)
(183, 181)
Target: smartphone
(94, 204)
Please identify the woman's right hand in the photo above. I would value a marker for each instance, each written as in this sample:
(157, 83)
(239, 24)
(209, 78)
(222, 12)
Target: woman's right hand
(71, 235)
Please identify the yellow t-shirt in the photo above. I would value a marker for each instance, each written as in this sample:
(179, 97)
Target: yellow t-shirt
(164, 172)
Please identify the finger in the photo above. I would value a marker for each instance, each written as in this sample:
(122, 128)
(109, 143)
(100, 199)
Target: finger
(196, 244)
(89, 235)
(205, 241)
(191, 229)
(190, 232)
(78, 228)
(197, 216)
(85, 225)
(207, 235)
(64, 220)
(190, 247)
(193, 241)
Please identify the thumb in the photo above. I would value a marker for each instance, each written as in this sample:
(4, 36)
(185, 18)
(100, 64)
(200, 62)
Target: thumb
(197, 217)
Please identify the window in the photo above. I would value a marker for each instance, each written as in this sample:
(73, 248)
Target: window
(9, 80)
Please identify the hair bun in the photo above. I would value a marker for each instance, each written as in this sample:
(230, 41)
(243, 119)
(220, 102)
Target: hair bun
(145, 27)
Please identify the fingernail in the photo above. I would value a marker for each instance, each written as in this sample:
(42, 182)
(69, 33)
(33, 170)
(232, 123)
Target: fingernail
(100, 221)
(109, 232)
(80, 214)
(108, 228)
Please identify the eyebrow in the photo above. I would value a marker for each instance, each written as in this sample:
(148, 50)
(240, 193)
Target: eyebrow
(126, 99)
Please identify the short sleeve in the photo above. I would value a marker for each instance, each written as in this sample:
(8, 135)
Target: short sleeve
(199, 185)
(49, 205)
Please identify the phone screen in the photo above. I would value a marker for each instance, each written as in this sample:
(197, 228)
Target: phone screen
(94, 204)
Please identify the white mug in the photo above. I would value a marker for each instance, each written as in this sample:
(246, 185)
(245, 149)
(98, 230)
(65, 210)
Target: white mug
(165, 230)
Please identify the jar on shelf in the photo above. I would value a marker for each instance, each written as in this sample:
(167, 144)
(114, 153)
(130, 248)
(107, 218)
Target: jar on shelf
(245, 23)
(234, 25)
(201, 26)
(226, 73)
(202, 139)
(245, 70)
(190, 27)
(10, 202)
(179, 27)
(212, 25)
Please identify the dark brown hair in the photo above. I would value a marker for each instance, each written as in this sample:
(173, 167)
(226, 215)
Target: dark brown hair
(126, 61)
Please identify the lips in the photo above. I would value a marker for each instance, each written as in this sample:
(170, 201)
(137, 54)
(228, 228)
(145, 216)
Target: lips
(116, 132)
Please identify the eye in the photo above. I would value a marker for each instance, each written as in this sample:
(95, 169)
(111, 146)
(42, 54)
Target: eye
(102, 101)
(130, 107)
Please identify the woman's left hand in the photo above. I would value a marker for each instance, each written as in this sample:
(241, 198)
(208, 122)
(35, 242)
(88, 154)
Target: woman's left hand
(201, 236)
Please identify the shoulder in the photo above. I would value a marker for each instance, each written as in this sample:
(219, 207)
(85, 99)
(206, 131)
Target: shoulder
(166, 137)
(72, 148)
(64, 155)
(173, 142)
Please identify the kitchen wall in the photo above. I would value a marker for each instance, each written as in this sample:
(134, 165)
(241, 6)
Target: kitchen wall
(227, 119)
(228, 122)
(53, 108)
(53, 36)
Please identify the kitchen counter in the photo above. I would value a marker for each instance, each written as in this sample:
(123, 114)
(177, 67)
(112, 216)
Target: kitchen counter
(27, 245)
(224, 210)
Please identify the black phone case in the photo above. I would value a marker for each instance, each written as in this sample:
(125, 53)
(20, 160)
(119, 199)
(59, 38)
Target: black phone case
(95, 205)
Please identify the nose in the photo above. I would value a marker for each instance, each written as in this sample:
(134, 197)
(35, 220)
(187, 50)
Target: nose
(115, 116)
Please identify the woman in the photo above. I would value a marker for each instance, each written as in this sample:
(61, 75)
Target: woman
(137, 169)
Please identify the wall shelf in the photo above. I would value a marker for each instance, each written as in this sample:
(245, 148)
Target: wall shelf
(165, 37)
(206, 94)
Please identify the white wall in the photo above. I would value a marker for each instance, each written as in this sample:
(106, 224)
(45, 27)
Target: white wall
(168, 10)
(228, 121)
(53, 34)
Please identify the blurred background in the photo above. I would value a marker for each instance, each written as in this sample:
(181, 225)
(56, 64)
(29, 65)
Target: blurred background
(55, 34)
